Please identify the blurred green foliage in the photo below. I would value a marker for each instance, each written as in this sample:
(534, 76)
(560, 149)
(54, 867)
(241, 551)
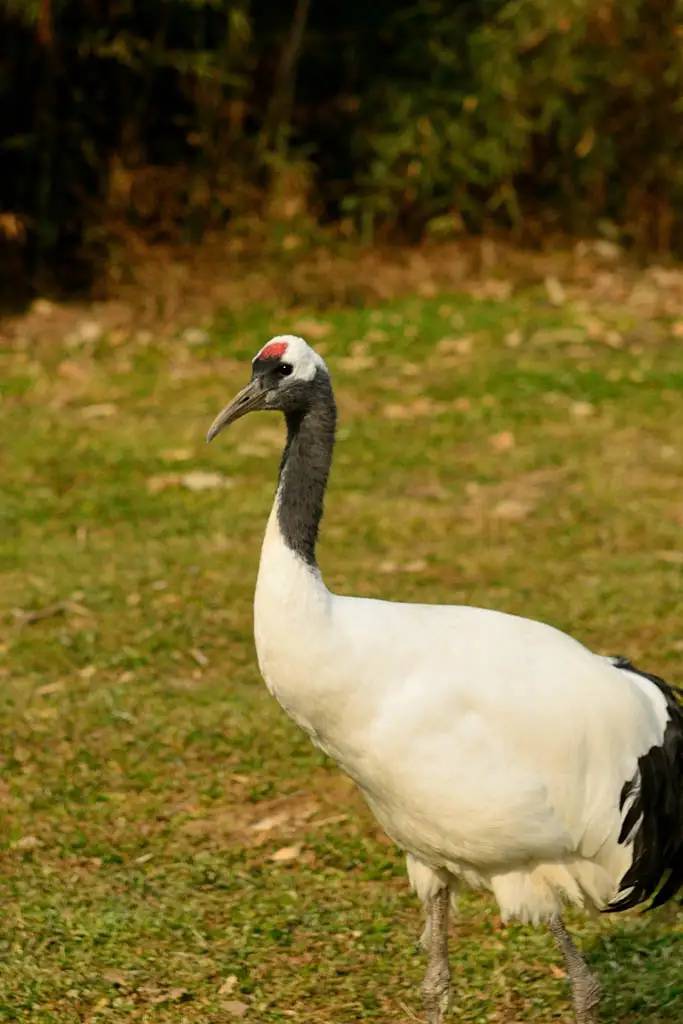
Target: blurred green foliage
(494, 108)
(174, 116)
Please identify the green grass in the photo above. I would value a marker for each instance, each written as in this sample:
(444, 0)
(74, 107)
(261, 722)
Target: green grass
(502, 453)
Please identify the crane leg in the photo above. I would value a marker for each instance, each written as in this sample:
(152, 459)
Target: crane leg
(437, 980)
(585, 986)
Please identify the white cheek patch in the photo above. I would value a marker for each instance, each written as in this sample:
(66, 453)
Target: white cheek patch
(294, 350)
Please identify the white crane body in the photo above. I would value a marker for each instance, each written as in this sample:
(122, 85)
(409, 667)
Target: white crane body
(467, 731)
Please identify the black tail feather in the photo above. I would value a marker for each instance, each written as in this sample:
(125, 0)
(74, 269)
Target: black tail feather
(654, 818)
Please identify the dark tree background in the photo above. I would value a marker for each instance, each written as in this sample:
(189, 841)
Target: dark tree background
(170, 117)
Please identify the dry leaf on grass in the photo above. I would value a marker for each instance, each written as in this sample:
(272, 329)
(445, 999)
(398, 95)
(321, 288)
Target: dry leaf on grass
(458, 346)
(286, 854)
(581, 410)
(201, 480)
(228, 986)
(312, 329)
(195, 480)
(115, 977)
(411, 410)
(375, 334)
(560, 336)
(176, 454)
(492, 288)
(555, 292)
(502, 442)
(271, 821)
(27, 843)
(173, 995)
(672, 557)
(333, 819)
(235, 1007)
(511, 510)
(29, 617)
(416, 565)
(199, 657)
(99, 411)
(357, 362)
(89, 330)
(195, 336)
(49, 688)
(71, 370)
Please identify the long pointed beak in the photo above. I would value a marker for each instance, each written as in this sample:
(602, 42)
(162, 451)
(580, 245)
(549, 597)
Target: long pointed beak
(249, 398)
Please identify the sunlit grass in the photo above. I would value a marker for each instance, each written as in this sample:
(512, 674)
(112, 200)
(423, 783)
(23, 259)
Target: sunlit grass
(502, 453)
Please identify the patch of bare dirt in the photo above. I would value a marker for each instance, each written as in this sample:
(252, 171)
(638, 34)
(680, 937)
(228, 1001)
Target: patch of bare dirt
(283, 819)
(175, 293)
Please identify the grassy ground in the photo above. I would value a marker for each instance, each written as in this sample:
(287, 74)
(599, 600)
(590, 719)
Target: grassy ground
(173, 849)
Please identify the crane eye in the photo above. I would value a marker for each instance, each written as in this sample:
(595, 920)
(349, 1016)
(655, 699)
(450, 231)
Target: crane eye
(284, 369)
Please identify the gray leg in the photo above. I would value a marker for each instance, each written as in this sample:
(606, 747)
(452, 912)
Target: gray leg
(436, 985)
(585, 986)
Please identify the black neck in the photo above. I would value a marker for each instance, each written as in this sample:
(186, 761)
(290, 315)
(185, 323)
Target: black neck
(304, 470)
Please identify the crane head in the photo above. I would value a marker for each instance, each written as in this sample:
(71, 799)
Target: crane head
(282, 378)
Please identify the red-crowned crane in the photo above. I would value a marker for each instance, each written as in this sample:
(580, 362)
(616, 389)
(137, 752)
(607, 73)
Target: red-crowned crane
(493, 749)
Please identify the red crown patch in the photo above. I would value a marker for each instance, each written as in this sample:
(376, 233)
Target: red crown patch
(273, 350)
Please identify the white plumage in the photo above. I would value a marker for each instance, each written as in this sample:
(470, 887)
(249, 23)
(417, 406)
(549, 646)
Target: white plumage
(480, 740)
(493, 749)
